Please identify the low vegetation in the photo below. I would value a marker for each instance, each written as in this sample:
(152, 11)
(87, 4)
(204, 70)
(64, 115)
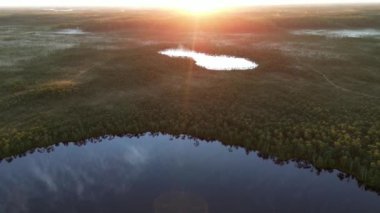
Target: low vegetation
(312, 98)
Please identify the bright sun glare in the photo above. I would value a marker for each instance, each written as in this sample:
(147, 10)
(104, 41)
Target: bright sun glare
(199, 7)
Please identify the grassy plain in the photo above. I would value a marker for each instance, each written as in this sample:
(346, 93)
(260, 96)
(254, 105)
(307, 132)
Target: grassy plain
(312, 98)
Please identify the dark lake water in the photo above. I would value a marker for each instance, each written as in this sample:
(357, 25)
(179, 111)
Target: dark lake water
(157, 174)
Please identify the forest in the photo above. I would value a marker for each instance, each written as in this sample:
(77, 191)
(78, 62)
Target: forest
(312, 98)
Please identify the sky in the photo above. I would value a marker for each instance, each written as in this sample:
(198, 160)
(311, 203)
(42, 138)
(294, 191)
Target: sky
(164, 3)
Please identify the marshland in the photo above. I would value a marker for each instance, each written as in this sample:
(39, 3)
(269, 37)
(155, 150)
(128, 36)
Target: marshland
(308, 102)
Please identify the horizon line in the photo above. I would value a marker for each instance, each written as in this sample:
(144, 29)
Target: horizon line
(124, 6)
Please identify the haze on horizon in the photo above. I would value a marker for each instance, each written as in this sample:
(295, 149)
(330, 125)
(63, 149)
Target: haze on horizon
(168, 3)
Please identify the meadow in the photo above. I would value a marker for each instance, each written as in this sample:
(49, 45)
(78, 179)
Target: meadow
(314, 97)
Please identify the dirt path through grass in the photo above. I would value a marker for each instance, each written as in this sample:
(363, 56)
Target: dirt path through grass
(332, 83)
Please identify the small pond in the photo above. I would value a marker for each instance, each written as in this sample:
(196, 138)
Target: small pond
(342, 33)
(164, 174)
(76, 31)
(212, 62)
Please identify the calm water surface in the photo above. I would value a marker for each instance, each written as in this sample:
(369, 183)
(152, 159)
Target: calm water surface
(71, 32)
(160, 174)
(343, 33)
(212, 62)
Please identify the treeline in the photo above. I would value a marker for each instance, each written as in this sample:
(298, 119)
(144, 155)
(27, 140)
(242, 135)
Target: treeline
(239, 21)
(343, 144)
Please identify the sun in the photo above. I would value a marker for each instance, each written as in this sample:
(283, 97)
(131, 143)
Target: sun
(199, 7)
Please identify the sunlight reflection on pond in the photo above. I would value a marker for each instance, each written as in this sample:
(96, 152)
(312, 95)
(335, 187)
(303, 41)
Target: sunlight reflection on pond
(212, 62)
(71, 32)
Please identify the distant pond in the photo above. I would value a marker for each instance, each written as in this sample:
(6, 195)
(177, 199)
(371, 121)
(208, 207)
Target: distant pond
(165, 174)
(340, 33)
(212, 62)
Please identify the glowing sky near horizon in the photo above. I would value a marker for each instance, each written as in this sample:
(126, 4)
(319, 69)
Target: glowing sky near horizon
(165, 3)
